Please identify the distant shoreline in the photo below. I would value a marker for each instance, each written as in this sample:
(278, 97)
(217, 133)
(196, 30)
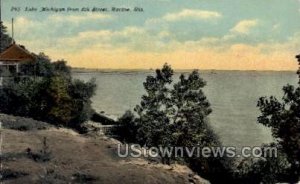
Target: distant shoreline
(104, 70)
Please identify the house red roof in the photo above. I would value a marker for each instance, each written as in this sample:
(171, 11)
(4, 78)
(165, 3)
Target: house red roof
(16, 53)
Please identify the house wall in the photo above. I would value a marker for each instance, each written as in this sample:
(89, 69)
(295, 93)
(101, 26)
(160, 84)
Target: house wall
(6, 69)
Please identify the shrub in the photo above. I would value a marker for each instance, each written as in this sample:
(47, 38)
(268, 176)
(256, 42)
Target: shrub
(51, 95)
(44, 155)
(20, 123)
(267, 170)
(45, 90)
(8, 174)
(84, 178)
(127, 129)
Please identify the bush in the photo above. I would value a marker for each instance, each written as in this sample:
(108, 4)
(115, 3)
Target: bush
(267, 170)
(84, 178)
(44, 155)
(127, 129)
(22, 124)
(50, 94)
(45, 90)
(7, 174)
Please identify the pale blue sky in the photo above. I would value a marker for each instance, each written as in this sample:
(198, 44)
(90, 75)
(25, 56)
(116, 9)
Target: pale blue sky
(215, 28)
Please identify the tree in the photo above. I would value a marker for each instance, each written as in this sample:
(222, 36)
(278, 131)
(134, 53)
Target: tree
(154, 112)
(6, 40)
(49, 94)
(59, 102)
(283, 117)
(43, 65)
(81, 94)
(173, 115)
(190, 109)
(45, 90)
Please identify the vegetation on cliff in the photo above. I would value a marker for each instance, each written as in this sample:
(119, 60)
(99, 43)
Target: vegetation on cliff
(45, 90)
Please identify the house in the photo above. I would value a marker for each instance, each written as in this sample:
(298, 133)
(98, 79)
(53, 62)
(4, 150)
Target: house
(11, 59)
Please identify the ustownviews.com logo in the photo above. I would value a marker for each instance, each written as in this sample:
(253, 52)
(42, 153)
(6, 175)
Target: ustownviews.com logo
(135, 150)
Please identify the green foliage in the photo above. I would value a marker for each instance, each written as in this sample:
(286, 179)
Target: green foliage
(61, 102)
(267, 170)
(45, 90)
(153, 121)
(21, 98)
(22, 124)
(174, 114)
(81, 94)
(43, 66)
(6, 40)
(128, 129)
(283, 117)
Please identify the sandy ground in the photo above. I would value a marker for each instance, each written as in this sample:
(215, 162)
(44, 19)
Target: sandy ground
(95, 157)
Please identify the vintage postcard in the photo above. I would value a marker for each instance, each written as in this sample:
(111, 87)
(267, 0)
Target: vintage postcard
(140, 91)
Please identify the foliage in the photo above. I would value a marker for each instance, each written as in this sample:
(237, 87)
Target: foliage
(22, 124)
(84, 178)
(267, 170)
(8, 174)
(283, 117)
(173, 114)
(45, 90)
(61, 102)
(127, 131)
(6, 40)
(81, 94)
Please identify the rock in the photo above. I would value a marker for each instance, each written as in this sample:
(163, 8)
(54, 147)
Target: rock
(103, 119)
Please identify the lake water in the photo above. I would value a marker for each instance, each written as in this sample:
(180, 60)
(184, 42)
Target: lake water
(233, 96)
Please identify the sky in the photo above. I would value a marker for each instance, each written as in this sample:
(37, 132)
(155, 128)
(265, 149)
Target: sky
(188, 34)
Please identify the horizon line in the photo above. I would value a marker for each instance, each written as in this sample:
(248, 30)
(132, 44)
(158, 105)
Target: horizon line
(176, 69)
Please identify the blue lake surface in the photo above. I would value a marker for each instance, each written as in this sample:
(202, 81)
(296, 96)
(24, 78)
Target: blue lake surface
(233, 96)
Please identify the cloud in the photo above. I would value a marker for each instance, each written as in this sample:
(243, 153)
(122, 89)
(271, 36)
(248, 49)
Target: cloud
(27, 27)
(139, 49)
(276, 26)
(235, 57)
(143, 47)
(129, 38)
(185, 14)
(80, 18)
(192, 14)
(134, 47)
(244, 26)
